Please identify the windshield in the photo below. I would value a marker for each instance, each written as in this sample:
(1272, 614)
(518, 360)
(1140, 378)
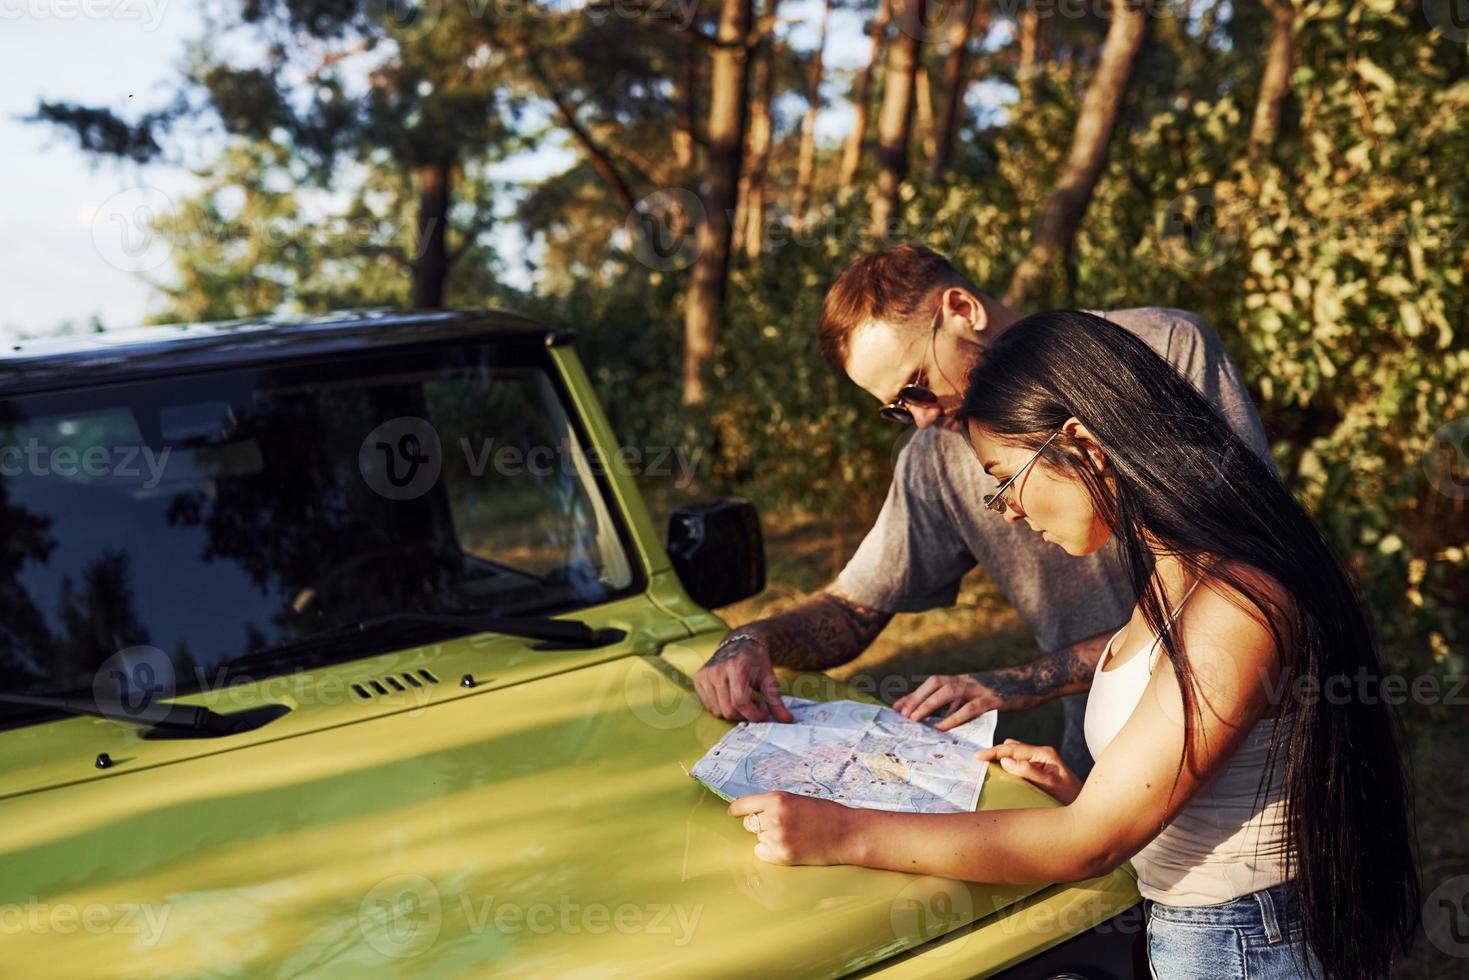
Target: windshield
(222, 514)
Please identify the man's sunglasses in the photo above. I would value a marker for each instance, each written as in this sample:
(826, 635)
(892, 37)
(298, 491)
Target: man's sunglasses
(915, 392)
(910, 394)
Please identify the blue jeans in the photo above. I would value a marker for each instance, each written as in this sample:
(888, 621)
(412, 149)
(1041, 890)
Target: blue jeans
(1254, 937)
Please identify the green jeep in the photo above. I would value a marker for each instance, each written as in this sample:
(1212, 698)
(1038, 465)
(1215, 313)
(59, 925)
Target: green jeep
(346, 646)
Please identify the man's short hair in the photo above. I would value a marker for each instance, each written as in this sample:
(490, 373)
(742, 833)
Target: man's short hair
(898, 285)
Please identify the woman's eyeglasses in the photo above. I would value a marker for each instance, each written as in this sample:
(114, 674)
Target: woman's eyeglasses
(999, 501)
(915, 392)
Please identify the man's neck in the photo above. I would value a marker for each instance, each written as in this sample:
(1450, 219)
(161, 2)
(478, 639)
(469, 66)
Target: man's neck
(998, 318)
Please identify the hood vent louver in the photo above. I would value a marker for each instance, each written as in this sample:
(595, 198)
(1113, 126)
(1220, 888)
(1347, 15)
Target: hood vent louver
(389, 684)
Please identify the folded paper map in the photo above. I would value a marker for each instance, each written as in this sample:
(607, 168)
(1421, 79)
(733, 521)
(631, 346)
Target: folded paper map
(858, 754)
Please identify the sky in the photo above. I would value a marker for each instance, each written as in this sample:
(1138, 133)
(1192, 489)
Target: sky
(71, 251)
(54, 271)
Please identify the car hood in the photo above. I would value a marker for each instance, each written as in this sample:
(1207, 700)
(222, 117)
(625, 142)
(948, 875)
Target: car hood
(547, 828)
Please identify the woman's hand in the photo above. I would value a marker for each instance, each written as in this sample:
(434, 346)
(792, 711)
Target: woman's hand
(791, 829)
(1039, 765)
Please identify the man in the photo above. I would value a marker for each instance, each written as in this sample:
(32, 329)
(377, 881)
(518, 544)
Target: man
(907, 327)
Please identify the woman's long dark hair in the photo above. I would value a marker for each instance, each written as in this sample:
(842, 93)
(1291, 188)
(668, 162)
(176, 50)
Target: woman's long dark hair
(1180, 477)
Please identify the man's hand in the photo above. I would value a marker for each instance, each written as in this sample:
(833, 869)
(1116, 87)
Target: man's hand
(968, 696)
(1039, 765)
(965, 695)
(740, 665)
(824, 631)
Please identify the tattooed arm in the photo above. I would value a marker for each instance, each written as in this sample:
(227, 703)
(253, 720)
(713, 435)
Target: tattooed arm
(1067, 671)
(826, 630)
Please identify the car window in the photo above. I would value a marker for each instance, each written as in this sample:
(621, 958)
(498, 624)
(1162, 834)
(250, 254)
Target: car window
(217, 515)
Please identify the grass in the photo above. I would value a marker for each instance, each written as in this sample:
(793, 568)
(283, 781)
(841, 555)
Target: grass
(983, 632)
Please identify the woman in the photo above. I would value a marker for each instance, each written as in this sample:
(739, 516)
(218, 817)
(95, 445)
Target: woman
(1264, 810)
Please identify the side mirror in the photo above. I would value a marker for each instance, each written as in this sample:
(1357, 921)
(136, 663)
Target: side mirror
(718, 551)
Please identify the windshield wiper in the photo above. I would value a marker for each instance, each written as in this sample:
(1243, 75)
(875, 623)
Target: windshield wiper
(557, 633)
(562, 632)
(162, 715)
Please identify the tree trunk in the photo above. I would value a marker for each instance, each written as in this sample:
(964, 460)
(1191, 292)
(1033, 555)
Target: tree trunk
(806, 160)
(750, 219)
(1035, 36)
(431, 259)
(895, 121)
(955, 82)
(923, 108)
(1067, 204)
(684, 84)
(704, 305)
(1275, 80)
(862, 99)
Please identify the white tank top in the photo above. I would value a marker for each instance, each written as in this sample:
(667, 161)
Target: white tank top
(1225, 843)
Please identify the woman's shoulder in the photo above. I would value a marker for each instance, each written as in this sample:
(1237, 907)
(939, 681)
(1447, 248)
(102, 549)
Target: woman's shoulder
(1250, 592)
(1232, 649)
(1238, 615)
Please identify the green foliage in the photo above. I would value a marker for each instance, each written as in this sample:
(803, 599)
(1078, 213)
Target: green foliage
(787, 427)
(1334, 267)
(1334, 270)
(251, 242)
(779, 426)
(1355, 311)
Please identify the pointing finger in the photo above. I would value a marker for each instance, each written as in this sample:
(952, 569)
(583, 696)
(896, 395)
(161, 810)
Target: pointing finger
(771, 692)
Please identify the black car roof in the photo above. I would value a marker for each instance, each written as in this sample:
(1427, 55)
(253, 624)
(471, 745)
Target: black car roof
(59, 362)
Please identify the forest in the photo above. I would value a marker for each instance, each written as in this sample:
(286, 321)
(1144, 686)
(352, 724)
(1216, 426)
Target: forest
(680, 180)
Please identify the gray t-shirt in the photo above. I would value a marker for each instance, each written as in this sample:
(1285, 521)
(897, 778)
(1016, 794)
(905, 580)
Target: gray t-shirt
(934, 527)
